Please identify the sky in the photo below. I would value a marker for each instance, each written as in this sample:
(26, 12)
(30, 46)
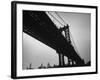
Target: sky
(37, 53)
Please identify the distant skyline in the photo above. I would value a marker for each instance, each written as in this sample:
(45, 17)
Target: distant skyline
(37, 53)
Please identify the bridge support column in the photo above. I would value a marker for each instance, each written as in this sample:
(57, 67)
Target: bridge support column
(61, 60)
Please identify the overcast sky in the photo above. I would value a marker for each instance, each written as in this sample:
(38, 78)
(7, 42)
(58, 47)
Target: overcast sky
(38, 53)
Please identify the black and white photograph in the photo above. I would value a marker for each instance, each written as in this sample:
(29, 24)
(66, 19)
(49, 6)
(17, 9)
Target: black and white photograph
(56, 39)
(53, 39)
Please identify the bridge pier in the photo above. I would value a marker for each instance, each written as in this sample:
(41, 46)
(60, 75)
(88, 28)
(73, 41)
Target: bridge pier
(61, 60)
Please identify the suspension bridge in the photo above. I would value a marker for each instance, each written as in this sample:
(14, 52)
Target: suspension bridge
(39, 25)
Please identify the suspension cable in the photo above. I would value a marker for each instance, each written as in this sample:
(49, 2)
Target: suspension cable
(55, 19)
(60, 17)
(74, 43)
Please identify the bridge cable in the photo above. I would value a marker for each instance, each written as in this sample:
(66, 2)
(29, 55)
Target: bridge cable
(56, 19)
(60, 17)
(74, 43)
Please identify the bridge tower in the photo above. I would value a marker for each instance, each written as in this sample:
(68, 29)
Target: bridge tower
(64, 29)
